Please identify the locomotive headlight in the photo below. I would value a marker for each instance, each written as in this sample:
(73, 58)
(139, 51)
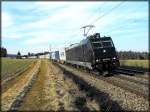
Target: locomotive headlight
(104, 51)
(97, 60)
(114, 57)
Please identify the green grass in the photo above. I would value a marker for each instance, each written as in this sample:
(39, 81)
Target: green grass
(135, 63)
(10, 66)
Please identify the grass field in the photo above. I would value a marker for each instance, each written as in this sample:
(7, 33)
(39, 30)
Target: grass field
(135, 63)
(43, 86)
(13, 66)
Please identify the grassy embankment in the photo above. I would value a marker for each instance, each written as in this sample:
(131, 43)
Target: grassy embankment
(13, 89)
(135, 63)
(11, 67)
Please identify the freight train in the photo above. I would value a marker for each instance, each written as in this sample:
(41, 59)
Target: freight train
(93, 53)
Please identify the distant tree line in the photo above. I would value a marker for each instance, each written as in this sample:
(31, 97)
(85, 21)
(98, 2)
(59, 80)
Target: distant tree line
(133, 55)
(123, 55)
(3, 52)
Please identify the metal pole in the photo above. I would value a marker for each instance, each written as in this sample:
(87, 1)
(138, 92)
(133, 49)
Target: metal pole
(50, 51)
(87, 26)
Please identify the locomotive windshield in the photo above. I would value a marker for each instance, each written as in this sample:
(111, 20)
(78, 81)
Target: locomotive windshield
(101, 44)
(97, 44)
(107, 44)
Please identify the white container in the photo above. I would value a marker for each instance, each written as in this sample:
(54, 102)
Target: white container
(62, 55)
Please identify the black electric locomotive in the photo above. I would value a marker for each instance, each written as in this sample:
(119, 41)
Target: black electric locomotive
(94, 52)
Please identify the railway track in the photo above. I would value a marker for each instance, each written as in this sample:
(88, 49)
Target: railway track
(122, 76)
(103, 98)
(131, 72)
(145, 83)
(125, 87)
(110, 84)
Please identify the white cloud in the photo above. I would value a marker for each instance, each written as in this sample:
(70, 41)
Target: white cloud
(43, 37)
(73, 16)
(8, 28)
(41, 23)
(34, 49)
(68, 16)
(6, 20)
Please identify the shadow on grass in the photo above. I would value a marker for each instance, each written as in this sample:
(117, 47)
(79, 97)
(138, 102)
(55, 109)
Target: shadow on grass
(92, 92)
(80, 103)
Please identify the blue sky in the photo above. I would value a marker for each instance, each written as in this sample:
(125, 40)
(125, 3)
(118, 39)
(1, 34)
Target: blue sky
(35, 26)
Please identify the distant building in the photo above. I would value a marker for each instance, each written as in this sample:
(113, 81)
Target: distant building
(45, 55)
(32, 56)
(24, 56)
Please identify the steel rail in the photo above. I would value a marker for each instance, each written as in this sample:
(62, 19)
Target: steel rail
(111, 81)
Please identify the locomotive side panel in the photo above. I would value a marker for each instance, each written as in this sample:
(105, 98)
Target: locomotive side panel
(88, 53)
(77, 56)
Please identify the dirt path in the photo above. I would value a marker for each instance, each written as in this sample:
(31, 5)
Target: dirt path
(53, 91)
(43, 95)
(35, 98)
(14, 92)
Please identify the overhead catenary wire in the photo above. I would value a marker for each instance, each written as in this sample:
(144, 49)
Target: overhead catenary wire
(129, 20)
(106, 13)
(84, 22)
(122, 26)
(116, 6)
(97, 10)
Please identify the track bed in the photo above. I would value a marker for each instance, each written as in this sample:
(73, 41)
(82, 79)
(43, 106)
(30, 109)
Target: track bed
(127, 98)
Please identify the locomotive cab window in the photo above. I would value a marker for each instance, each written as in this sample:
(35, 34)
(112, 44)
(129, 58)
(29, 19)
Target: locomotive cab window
(100, 44)
(107, 44)
(97, 44)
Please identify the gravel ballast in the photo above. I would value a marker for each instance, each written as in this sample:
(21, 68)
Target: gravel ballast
(126, 99)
